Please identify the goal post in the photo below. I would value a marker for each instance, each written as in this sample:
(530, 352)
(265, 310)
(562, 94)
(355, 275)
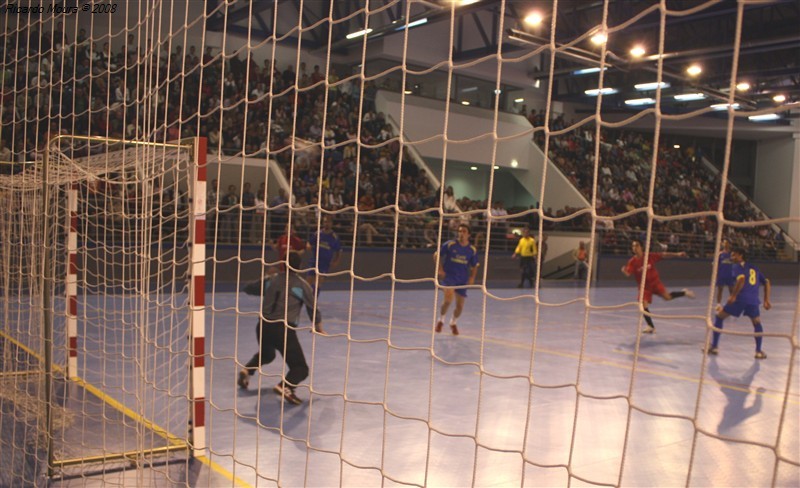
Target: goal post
(121, 293)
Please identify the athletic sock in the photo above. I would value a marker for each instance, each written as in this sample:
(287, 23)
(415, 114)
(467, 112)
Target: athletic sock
(758, 328)
(677, 294)
(716, 334)
(648, 319)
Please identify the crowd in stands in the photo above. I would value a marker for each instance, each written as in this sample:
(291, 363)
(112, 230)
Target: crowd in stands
(251, 109)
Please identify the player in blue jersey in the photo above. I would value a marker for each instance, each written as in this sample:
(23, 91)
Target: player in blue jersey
(724, 270)
(330, 250)
(458, 265)
(743, 300)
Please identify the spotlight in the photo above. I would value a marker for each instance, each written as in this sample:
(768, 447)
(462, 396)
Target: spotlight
(638, 51)
(534, 18)
(694, 70)
(743, 86)
(599, 38)
(780, 98)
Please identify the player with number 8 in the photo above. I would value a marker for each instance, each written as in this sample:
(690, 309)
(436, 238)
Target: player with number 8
(743, 300)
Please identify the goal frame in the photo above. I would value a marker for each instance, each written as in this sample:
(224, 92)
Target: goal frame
(197, 169)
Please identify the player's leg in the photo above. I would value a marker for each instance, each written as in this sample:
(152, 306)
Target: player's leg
(295, 363)
(448, 299)
(719, 320)
(265, 356)
(460, 296)
(753, 313)
(650, 327)
(677, 294)
(719, 293)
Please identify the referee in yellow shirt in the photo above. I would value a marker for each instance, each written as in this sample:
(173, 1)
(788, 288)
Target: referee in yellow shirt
(526, 250)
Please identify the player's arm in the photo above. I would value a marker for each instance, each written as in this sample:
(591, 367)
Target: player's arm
(518, 250)
(767, 292)
(681, 254)
(309, 301)
(737, 287)
(256, 287)
(473, 272)
(626, 269)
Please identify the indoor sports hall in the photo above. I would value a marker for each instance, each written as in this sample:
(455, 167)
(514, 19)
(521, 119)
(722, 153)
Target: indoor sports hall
(399, 243)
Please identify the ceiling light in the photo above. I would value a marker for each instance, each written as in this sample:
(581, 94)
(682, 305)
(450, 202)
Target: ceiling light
(676, 146)
(640, 101)
(779, 98)
(694, 70)
(464, 102)
(724, 106)
(496, 167)
(597, 91)
(463, 3)
(586, 71)
(743, 86)
(688, 97)
(651, 86)
(599, 38)
(761, 118)
(473, 168)
(360, 33)
(498, 91)
(407, 92)
(534, 18)
(638, 52)
(519, 100)
(469, 89)
(514, 163)
(413, 24)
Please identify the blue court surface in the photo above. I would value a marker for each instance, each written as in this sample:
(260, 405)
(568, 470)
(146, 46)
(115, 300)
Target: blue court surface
(527, 395)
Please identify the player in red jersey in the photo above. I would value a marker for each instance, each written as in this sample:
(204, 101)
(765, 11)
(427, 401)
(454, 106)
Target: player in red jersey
(652, 282)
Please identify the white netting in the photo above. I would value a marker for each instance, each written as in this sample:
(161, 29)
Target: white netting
(365, 113)
(130, 232)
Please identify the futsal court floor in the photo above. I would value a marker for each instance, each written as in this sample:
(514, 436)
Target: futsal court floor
(559, 386)
(524, 396)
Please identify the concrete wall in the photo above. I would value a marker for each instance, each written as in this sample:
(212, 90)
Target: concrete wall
(777, 185)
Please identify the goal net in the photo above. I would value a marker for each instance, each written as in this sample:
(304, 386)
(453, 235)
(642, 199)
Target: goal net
(97, 306)
(390, 123)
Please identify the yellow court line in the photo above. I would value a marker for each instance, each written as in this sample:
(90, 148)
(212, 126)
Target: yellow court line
(173, 439)
(223, 471)
(603, 362)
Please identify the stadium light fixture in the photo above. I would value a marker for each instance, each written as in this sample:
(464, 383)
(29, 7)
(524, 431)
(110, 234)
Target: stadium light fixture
(407, 92)
(514, 163)
(780, 98)
(688, 97)
(676, 146)
(464, 102)
(638, 51)
(652, 86)
(473, 168)
(586, 71)
(413, 24)
(498, 91)
(469, 89)
(765, 117)
(597, 91)
(694, 70)
(640, 101)
(360, 33)
(496, 167)
(599, 38)
(724, 106)
(743, 86)
(534, 18)
(519, 100)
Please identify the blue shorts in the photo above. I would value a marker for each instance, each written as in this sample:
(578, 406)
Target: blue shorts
(736, 309)
(726, 281)
(446, 281)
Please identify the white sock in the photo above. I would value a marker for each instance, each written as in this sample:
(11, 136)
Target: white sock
(453, 321)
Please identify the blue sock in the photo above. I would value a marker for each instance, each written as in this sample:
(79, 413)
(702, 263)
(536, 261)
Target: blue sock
(715, 335)
(758, 328)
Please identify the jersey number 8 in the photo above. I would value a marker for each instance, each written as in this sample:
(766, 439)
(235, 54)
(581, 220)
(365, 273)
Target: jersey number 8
(753, 277)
